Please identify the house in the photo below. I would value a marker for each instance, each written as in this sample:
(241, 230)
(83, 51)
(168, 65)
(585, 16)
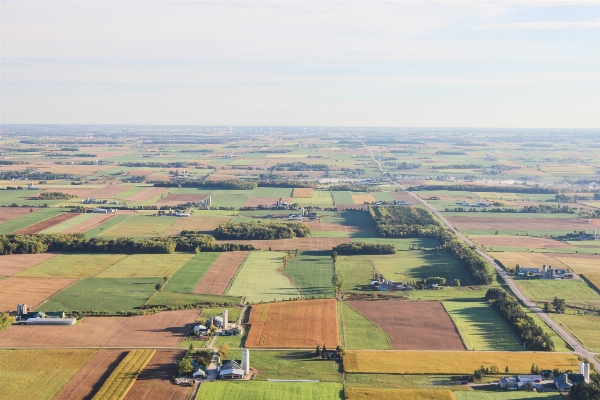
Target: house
(564, 382)
(528, 379)
(509, 383)
(231, 370)
(31, 187)
(200, 330)
(199, 373)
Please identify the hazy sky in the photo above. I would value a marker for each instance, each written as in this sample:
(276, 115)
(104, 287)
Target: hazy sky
(414, 63)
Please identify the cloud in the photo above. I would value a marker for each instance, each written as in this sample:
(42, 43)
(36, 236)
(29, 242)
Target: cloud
(547, 25)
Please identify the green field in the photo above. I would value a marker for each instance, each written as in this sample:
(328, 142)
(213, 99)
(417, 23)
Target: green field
(27, 220)
(312, 272)
(103, 294)
(392, 381)
(575, 291)
(356, 274)
(181, 299)
(143, 265)
(320, 197)
(351, 218)
(230, 198)
(139, 226)
(188, 276)
(105, 226)
(342, 198)
(39, 374)
(463, 293)
(270, 391)
(585, 328)
(72, 265)
(358, 332)
(258, 280)
(505, 395)
(481, 328)
(69, 223)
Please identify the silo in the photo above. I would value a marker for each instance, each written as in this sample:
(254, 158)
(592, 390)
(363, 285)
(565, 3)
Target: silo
(225, 319)
(246, 361)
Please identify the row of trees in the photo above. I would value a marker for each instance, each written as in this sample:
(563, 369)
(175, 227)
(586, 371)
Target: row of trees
(354, 248)
(481, 188)
(412, 222)
(261, 231)
(225, 185)
(55, 196)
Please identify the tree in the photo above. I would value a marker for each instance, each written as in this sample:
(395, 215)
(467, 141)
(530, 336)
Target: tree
(456, 282)
(223, 351)
(477, 375)
(506, 370)
(334, 255)
(185, 366)
(546, 307)
(318, 351)
(559, 305)
(158, 287)
(340, 350)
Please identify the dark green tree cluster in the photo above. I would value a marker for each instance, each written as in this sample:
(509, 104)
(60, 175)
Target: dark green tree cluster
(587, 391)
(55, 196)
(225, 185)
(522, 324)
(261, 231)
(300, 166)
(274, 181)
(6, 320)
(354, 248)
(353, 187)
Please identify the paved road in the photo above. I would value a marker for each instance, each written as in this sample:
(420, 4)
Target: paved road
(579, 349)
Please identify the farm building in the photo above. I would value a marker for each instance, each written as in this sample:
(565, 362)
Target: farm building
(200, 330)
(233, 370)
(564, 382)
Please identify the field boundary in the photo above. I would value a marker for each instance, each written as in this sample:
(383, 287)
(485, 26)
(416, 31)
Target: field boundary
(377, 327)
(455, 326)
(236, 274)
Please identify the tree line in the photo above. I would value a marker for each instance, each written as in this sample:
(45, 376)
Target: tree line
(261, 231)
(413, 222)
(480, 188)
(354, 248)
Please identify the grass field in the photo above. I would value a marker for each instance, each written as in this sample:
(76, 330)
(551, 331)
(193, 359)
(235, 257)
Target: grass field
(139, 226)
(188, 276)
(105, 226)
(258, 280)
(38, 374)
(27, 220)
(588, 267)
(312, 272)
(358, 332)
(103, 294)
(342, 197)
(355, 273)
(181, 299)
(398, 394)
(526, 260)
(144, 265)
(452, 362)
(574, 291)
(584, 327)
(70, 223)
(393, 381)
(481, 328)
(72, 265)
(320, 197)
(123, 377)
(505, 395)
(270, 391)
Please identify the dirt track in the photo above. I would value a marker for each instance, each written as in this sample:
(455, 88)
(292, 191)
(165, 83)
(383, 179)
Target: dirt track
(220, 273)
(48, 223)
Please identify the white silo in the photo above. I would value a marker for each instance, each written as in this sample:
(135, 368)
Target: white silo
(225, 319)
(246, 361)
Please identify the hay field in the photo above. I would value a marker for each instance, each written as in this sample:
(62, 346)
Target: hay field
(89, 223)
(526, 260)
(258, 279)
(312, 273)
(398, 394)
(91, 377)
(358, 332)
(584, 327)
(139, 226)
(573, 290)
(313, 321)
(31, 291)
(72, 265)
(412, 325)
(320, 197)
(145, 265)
(355, 273)
(163, 329)
(363, 198)
(452, 362)
(588, 266)
(498, 196)
(48, 223)
(14, 263)
(35, 374)
(519, 241)
(303, 193)
(254, 390)
(217, 278)
(123, 377)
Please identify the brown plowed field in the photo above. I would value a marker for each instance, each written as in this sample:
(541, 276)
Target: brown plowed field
(195, 224)
(524, 224)
(413, 325)
(363, 198)
(519, 241)
(13, 264)
(155, 381)
(309, 243)
(579, 255)
(163, 329)
(402, 196)
(8, 213)
(108, 191)
(90, 378)
(147, 193)
(298, 324)
(90, 223)
(303, 192)
(176, 199)
(267, 201)
(31, 291)
(220, 273)
(48, 223)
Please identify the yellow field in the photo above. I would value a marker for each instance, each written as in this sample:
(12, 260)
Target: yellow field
(142, 265)
(526, 260)
(398, 394)
(363, 198)
(498, 196)
(589, 268)
(38, 374)
(452, 362)
(123, 377)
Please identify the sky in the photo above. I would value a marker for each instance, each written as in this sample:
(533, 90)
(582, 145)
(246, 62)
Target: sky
(506, 64)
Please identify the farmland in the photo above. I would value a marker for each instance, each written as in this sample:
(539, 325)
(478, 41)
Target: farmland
(216, 279)
(31, 291)
(314, 321)
(584, 327)
(123, 377)
(187, 277)
(270, 391)
(576, 291)
(48, 223)
(455, 362)
(505, 395)
(40, 374)
(72, 265)
(23, 221)
(395, 394)
(319, 197)
(312, 272)
(15, 263)
(522, 242)
(358, 332)
(306, 243)
(139, 226)
(527, 260)
(142, 265)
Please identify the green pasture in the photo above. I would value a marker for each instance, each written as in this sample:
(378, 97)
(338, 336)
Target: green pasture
(357, 274)
(72, 265)
(230, 198)
(481, 328)
(23, 197)
(312, 272)
(144, 265)
(69, 223)
(320, 197)
(270, 391)
(27, 220)
(383, 196)
(585, 328)
(572, 290)
(181, 299)
(103, 294)
(351, 218)
(342, 197)
(358, 332)
(139, 226)
(105, 226)
(187, 277)
(258, 280)
(234, 342)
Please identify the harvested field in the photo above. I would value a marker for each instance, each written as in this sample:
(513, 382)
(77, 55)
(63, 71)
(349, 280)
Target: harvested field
(452, 362)
(108, 191)
(91, 223)
(519, 241)
(163, 329)
(31, 291)
(587, 265)
(147, 193)
(398, 394)
(268, 201)
(13, 264)
(313, 321)
(195, 224)
(123, 377)
(90, 378)
(220, 273)
(155, 381)
(363, 198)
(50, 222)
(176, 199)
(521, 224)
(399, 196)
(8, 213)
(527, 260)
(413, 325)
(308, 243)
(303, 192)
